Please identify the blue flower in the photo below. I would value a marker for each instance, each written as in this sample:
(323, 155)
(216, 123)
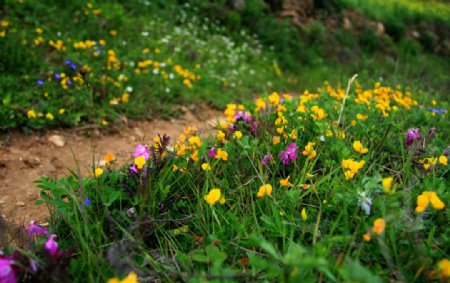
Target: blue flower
(67, 62)
(73, 66)
(40, 82)
(437, 111)
(57, 76)
(87, 202)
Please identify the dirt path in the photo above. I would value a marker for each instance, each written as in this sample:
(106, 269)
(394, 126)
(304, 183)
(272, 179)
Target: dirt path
(24, 159)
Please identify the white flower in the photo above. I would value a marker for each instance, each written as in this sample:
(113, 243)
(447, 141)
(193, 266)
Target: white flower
(365, 202)
(129, 89)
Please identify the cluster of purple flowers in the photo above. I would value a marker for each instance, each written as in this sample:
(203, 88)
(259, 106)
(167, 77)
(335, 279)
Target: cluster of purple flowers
(290, 154)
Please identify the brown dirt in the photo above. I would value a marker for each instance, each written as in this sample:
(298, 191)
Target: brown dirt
(25, 158)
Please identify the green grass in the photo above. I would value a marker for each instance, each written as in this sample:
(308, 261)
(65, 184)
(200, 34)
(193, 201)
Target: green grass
(158, 223)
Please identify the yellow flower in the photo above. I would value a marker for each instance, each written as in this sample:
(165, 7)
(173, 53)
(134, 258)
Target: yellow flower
(139, 162)
(61, 111)
(424, 199)
(358, 147)
(353, 123)
(361, 117)
(237, 135)
(194, 155)
(387, 184)
(113, 32)
(444, 267)
(309, 151)
(285, 182)
(195, 141)
(174, 168)
(31, 114)
(366, 237)
(351, 167)
(214, 196)
(206, 167)
(443, 160)
(222, 154)
(98, 172)
(220, 136)
(378, 226)
(304, 215)
(276, 140)
(109, 158)
(264, 190)
(49, 116)
(131, 278)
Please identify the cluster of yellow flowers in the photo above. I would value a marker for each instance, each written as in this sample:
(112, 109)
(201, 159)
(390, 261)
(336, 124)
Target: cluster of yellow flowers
(432, 161)
(379, 225)
(351, 167)
(426, 198)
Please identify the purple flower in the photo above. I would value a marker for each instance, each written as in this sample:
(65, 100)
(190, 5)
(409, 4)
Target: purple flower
(243, 116)
(98, 51)
(412, 135)
(291, 153)
(40, 82)
(73, 66)
(51, 245)
(57, 76)
(267, 159)
(212, 152)
(33, 228)
(33, 265)
(131, 212)
(232, 127)
(69, 82)
(142, 150)
(432, 132)
(253, 127)
(7, 274)
(437, 111)
(134, 169)
(87, 202)
(67, 62)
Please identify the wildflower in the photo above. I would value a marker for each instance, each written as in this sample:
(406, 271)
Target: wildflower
(304, 215)
(267, 159)
(40, 82)
(33, 228)
(309, 151)
(291, 153)
(87, 202)
(424, 199)
(220, 136)
(264, 190)
(212, 152)
(358, 147)
(7, 273)
(351, 167)
(387, 184)
(276, 140)
(237, 135)
(378, 226)
(411, 136)
(215, 195)
(109, 158)
(98, 172)
(367, 237)
(141, 150)
(131, 278)
(174, 168)
(31, 114)
(206, 167)
(194, 155)
(195, 141)
(49, 116)
(285, 182)
(365, 202)
(221, 154)
(361, 117)
(443, 160)
(444, 267)
(51, 245)
(139, 162)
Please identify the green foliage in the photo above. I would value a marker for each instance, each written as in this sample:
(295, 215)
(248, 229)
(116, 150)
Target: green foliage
(163, 220)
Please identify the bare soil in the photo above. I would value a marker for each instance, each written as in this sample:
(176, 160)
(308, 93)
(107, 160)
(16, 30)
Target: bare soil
(25, 158)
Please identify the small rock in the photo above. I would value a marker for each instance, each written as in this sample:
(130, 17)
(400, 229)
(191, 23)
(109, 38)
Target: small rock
(57, 140)
(32, 162)
(20, 203)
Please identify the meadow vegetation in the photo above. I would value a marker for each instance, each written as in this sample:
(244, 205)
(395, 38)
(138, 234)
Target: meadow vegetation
(311, 176)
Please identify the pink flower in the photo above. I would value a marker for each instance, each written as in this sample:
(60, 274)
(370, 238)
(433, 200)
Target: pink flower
(411, 136)
(212, 152)
(7, 273)
(33, 228)
(134, 169)
(291, 153)
(267, 159)
(51, 245)
(142, 150)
